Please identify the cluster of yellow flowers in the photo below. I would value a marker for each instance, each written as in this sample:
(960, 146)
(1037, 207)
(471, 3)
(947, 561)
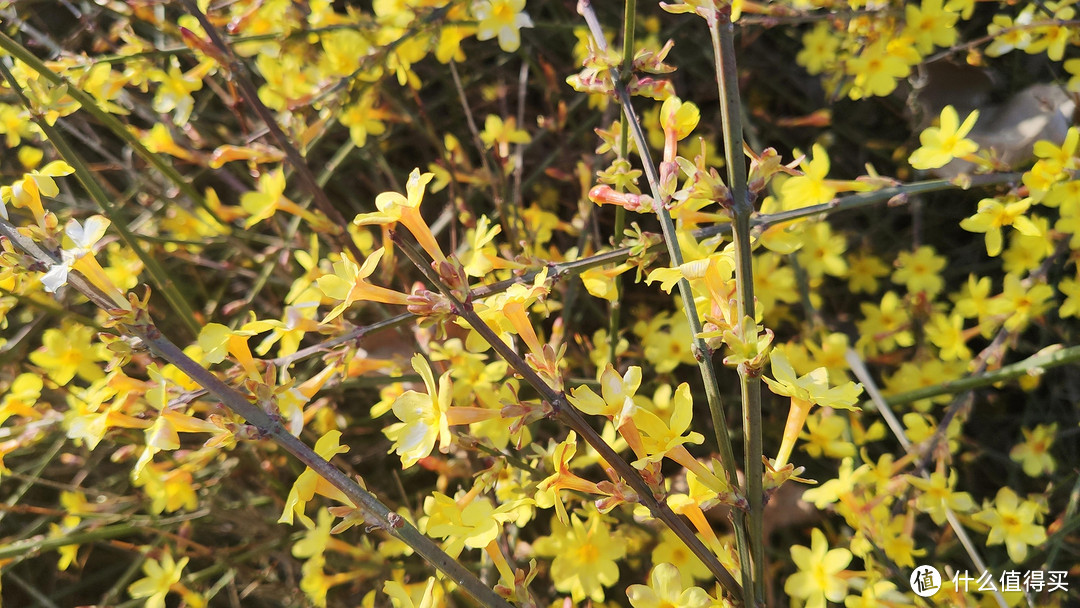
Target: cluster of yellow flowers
(526, 320)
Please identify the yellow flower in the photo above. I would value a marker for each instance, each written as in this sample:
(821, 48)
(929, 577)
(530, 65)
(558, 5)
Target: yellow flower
(864, 270)
(1042, 177)
(1034, 452)
(21, 396)
(600, 353)
(498, 134)
(1021, 304)
(805, 391)
(666, 590)
(160, 577)
(548, 491)
(1009, 34)
(423, 417)
(678, 118)
(27, 191)
(618, 393)
(930, 25)
(1070, 288)
(945, 142)
(1063, 156)
(269, 198)
(1054, 38)
(28, 157)
(920, 271)
(885, 326)
(68, 351)
(667, 340)
(310, 483)
(938, 495)
(217, 341)
(822, 251)
(170, 489)
(818, 578)
(1072, 66)
(364, 119)
(472, 524)
(602, 282)
(349, 284)
(15, 126)
(427, 418)
(502, 18)
(895, 537)
(160, 140)
(842, 485)
(1026, 253)
(824, 435)
(80, 256)
(671, 549)
(876, 70)
(877, 594)
(482, 257)
(313, 580)
(810, 188)
(400, 597)
(812, 387)
(947, 333)
(395, 208)
(1061, 192)
(660, 439)
(819, 49)
(586, 556)
(973, 301)
(450, 39)
(932, 372)
(1012, 522)
(993, 215)
(774, 282)
(470, 521)
(175, 89)
(163, 434)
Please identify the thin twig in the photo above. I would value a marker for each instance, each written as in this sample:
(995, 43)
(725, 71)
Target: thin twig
(727, 81)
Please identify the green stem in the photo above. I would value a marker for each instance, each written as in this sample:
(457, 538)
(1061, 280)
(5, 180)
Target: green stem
(37, 544)
(894, 195)
(727, 82)
(1051, 356)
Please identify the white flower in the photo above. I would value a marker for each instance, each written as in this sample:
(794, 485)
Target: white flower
(83, 237)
